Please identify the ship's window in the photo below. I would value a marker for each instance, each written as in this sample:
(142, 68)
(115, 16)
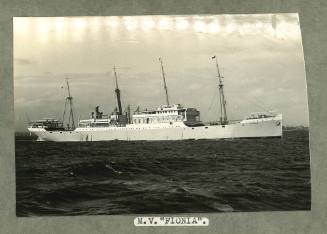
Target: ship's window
(193, 128)
(205, 127)
(223, 126)
(60, 132)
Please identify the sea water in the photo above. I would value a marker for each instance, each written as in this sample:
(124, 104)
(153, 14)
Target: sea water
(192, 176)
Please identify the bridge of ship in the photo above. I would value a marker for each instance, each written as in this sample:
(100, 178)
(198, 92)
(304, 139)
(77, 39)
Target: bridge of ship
(163, 114)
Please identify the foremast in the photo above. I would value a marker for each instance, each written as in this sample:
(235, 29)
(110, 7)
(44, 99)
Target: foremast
(222, 100)
(69, 101)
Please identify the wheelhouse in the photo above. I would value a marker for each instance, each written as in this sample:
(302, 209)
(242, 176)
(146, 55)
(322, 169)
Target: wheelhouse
(166, 114)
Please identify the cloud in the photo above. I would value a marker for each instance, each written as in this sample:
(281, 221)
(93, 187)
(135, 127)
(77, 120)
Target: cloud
(23, 62)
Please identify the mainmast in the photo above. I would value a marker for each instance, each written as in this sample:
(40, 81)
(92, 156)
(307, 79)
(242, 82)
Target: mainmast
(223, 113)
(164, 80)
(120, 112)
(129, 118)
(69, 101)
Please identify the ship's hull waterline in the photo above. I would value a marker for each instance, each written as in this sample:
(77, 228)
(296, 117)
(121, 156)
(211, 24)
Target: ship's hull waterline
(166, 131)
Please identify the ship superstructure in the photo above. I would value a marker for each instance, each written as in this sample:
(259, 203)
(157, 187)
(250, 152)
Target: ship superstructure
(167, 122)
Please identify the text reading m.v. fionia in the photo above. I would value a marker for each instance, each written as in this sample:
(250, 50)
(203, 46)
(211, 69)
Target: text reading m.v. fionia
(171, 221)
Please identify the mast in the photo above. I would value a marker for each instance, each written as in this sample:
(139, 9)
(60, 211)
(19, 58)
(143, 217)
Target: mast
(117, 93)
(128, 113)
(164, 80)
(223, 113)
(69, 101)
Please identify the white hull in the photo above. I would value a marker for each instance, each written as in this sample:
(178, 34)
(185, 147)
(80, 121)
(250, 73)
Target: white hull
(269, 127)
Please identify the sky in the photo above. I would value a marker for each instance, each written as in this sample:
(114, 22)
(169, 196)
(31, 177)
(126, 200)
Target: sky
(260, 58)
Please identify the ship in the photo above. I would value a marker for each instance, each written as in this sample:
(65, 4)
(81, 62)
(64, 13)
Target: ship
(167, 122)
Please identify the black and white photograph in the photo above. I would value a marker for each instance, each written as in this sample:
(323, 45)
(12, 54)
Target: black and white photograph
(160, 114)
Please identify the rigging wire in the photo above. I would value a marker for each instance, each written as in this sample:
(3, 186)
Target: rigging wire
(214, 96)
(255, 101)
